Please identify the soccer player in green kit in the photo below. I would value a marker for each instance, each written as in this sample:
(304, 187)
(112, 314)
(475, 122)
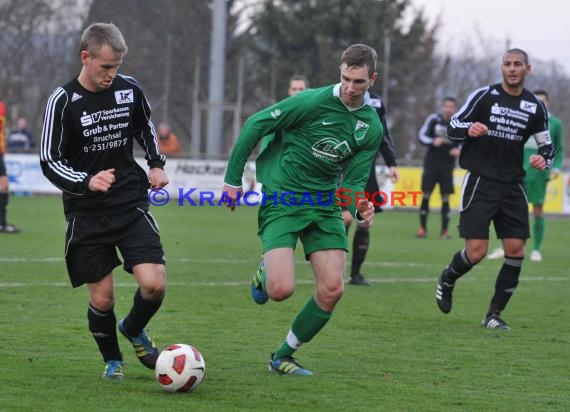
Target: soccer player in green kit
(315, 134)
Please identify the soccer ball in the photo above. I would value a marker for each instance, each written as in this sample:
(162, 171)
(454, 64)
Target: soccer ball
(180, 368)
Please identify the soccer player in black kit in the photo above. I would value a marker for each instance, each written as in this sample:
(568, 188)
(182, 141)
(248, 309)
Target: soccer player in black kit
(90, 125)
(361, 240)
(439, 163)
(494, 124)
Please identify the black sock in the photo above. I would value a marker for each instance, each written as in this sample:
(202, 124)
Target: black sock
(506, 283)
(460, 265)
(444, 215)
(359, 250)
(3, 204)
(102, 325)
(140, 314)
(424, 211)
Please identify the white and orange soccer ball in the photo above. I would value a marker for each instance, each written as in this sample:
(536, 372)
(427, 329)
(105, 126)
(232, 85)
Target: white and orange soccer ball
(180, 368)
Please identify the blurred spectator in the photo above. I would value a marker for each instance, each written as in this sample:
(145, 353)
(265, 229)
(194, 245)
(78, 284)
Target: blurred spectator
(20, 139)
(4, 185)
(168, 142)
(297, 84)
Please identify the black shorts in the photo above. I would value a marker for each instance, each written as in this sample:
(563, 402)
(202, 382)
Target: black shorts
(2, 165)
(484, 200)
(442, 176)
(91, 244)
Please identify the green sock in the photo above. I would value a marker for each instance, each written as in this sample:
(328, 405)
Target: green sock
(538, 229)
(306, 325)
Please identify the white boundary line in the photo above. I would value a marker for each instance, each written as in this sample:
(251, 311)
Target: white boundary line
(301, 281)
(249, 262)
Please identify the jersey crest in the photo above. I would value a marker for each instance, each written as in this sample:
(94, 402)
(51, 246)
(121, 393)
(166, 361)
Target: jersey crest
(124, 96)
(360, 130)
(528, 106)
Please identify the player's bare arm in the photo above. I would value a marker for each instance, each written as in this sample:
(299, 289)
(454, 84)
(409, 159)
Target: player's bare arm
(477, 129)
(102, 181)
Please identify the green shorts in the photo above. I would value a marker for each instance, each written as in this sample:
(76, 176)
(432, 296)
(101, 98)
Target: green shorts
(319, 227)
(536, 190)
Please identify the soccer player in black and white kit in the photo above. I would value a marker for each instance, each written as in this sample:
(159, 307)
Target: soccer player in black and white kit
(494, 125)
(439, 163)
(90, 126)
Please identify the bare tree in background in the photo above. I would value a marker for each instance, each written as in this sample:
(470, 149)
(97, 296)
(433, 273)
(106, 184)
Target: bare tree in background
(37, 38)
(479, 65)
(169, 39)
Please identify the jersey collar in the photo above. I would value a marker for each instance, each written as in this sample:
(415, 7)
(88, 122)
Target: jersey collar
(367, 100)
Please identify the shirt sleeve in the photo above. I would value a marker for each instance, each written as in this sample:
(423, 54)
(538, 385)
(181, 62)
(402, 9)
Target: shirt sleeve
(557, 137)
(144, 131)
(280, 116)
(53, 161)
(426, 133)
(541, 134)
(466, 116)
(387, 147)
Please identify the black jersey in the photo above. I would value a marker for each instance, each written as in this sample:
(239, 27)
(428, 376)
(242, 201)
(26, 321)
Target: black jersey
(437, 157)
(387, 149)
(86, 132)
(511, 121)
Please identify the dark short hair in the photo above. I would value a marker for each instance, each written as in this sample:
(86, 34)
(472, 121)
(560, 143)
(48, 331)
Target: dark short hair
(519, 51)
(358, 55)
(449, 99)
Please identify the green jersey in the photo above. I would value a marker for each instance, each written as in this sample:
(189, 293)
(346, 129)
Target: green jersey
(315, 137)
(530, 148)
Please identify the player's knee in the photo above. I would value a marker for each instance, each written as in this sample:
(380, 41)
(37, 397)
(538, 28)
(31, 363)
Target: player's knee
(330, 293)
(515, 252)
(280, 291)
(154, 288)
(476, 255)
(102, 302)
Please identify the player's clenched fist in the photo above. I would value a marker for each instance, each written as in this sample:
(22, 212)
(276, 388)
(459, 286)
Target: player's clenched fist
(102, 181)
(365, 209)
(477, 129)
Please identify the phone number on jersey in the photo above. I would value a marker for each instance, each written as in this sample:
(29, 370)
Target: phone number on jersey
(95, 147)
(504, 135)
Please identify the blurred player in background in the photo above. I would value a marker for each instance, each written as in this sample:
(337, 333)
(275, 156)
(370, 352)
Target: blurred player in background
(5, 227)
(439, 163)
(361, 240)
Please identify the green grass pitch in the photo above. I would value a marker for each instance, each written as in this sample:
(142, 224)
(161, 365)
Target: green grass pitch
(387, 347)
